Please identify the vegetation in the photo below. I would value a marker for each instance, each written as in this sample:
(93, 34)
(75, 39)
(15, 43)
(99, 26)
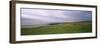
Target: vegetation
(59, 29)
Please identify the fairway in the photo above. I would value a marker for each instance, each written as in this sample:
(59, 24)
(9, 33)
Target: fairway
(59, 29)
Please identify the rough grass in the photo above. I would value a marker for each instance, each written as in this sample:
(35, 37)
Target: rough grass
(58, 29)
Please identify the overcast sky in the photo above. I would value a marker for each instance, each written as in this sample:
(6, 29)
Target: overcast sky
(42, 16)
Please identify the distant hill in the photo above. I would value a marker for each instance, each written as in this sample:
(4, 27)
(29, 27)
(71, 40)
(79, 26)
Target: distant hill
(69, 22)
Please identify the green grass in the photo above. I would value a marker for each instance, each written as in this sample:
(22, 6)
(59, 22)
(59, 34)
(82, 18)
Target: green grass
(58, 29)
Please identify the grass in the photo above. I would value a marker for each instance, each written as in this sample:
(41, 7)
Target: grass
(58, 29)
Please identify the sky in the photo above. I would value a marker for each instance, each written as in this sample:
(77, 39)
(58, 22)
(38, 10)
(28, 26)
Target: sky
(44, 16)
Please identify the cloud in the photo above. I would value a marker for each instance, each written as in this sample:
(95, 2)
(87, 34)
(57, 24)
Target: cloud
(51, 16)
